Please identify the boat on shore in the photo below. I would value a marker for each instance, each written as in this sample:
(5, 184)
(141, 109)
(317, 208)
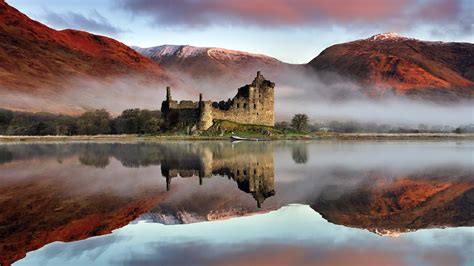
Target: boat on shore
(237, 138)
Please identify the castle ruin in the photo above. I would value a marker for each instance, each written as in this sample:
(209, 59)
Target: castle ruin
(253, 104)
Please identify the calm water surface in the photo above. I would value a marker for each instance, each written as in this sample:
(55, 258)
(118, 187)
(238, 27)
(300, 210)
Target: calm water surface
(223, 203)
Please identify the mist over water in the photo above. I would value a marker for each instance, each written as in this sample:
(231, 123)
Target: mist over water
(189, 192)
(296, 91)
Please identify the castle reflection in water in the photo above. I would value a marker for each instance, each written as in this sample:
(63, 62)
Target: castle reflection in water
(249, 165)
(251, 168)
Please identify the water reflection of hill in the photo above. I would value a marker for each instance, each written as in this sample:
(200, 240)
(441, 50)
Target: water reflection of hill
(36, 212)
(73, 191)
(428, 199)
(60, 200)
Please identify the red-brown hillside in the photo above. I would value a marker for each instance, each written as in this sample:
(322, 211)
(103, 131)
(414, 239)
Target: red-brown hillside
(389, 62)
(34, 56)
(38, 211)
(408, 203)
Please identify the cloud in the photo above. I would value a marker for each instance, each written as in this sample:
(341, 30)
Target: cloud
(294, 13)
(95, 22)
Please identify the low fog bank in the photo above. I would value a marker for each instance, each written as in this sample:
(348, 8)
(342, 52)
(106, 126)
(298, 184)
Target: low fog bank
(81, 95)
(296, 91)
(385, 111)
(339, 100)
(334, 98)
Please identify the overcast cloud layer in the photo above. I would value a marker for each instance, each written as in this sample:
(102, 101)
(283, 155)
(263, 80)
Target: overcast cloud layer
(94, 22)
(452, 14)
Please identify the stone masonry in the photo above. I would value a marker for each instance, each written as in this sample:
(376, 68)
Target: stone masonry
(253, 104)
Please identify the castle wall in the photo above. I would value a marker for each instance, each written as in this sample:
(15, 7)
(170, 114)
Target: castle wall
(255, 108)
(183, 112)
(253, 104)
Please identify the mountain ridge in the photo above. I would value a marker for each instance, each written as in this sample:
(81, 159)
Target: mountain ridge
(210, 62)
(34, 56)
(403, 66)
(71, 68)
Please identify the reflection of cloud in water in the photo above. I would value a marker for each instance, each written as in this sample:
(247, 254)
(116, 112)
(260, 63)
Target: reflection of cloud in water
(95, 247)
(271, 239)
(335, 175)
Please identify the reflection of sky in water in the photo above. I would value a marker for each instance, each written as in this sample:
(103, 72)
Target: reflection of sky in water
(302, 172)
(294, 227)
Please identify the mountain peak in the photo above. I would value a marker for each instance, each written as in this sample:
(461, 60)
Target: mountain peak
(387, 36)
(181, 51)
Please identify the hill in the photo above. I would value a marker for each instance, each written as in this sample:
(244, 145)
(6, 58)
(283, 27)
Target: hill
(38, 61)
(390, 63)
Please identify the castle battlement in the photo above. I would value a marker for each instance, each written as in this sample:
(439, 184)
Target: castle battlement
(253, 104)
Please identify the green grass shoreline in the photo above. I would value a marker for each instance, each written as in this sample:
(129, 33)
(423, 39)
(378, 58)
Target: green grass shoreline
(323, 136)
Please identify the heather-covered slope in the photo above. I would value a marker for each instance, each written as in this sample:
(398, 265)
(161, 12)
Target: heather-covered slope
(392, 63)
(34, 57)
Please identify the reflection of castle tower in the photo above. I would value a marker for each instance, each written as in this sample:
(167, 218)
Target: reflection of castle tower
(184, 160)
(251, 166)
(253, 172)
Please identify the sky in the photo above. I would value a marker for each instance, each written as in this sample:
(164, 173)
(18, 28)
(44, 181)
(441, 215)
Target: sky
(294, 31)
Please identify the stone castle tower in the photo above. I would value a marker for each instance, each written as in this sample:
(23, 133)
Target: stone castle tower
(253, 104)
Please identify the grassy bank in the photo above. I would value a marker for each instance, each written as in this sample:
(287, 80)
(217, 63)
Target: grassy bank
(396, 136)
(324, 136)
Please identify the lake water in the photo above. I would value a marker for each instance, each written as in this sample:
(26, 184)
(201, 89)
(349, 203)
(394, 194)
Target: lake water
(223, 203)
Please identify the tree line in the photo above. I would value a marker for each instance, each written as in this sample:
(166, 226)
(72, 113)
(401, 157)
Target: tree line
(142, 121)
(93, 122)
(300, 122)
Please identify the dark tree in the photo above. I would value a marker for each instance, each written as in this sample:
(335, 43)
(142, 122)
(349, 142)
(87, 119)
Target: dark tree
(300, 122)
(94, 122)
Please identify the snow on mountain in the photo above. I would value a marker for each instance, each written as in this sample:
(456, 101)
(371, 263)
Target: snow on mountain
(184, 217)
(182, 51)
(387, 36)
(206, 62)
(232, 55)
(187, 51)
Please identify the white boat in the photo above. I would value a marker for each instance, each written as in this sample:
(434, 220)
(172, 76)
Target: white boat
(237, 138)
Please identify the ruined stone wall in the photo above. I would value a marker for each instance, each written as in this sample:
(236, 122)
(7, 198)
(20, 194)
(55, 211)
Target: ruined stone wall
(250, 106)
(253, 104)
(206, 115)
(180, 113)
